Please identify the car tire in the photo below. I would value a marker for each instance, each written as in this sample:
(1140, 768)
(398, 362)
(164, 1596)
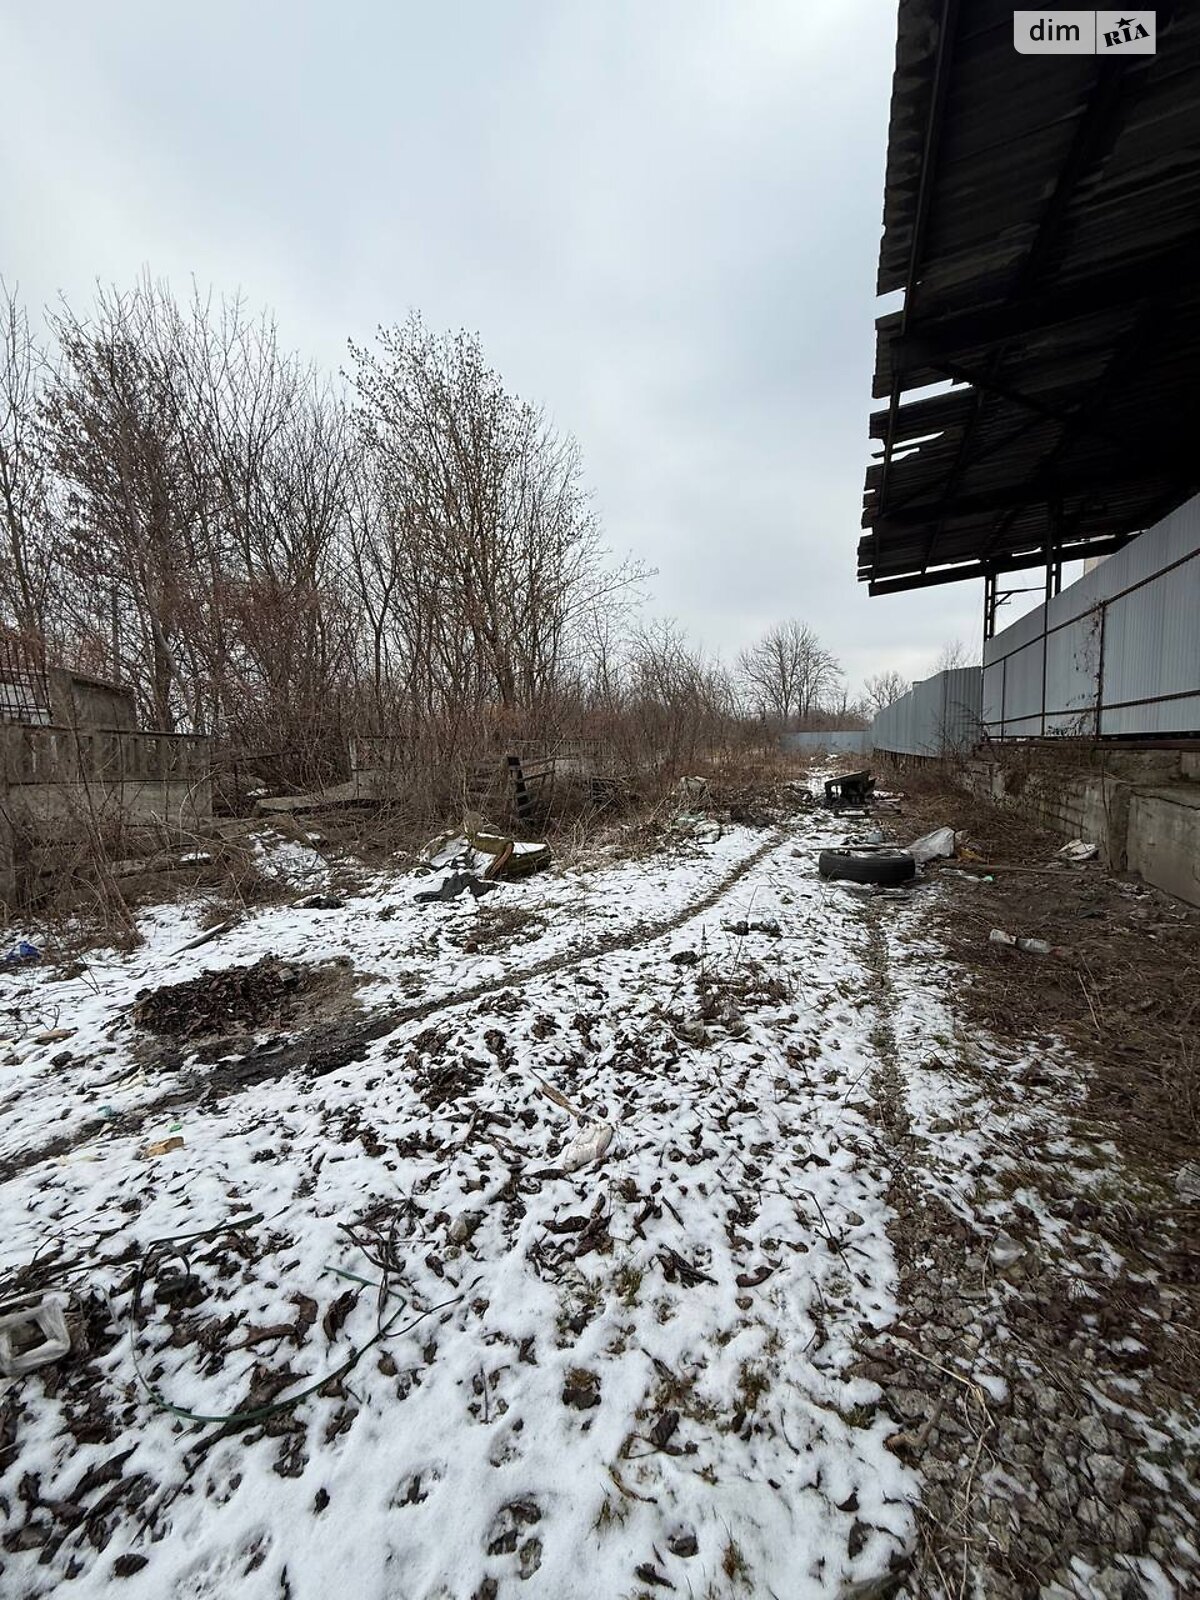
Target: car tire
(880, 864)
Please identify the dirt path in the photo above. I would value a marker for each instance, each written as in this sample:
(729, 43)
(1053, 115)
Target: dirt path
(1034, 1359)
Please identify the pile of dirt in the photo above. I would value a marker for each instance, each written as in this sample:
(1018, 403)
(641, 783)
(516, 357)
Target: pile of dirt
(236, 999)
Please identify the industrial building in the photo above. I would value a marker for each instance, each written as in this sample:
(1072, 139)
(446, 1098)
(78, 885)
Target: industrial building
(1040, 407)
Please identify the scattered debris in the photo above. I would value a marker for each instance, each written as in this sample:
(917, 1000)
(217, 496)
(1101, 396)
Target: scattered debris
(693, 791)
(354, 792)
(850, 790)
(160, 1147)
(697, 826)
(163, 863)
(452, 886)
(207, 936)
(461, 1229)
(733, 1308)
(1079, 850)
(768, 925)
(33, 1336)
(286, 860)
(218, 1002)
(513, 858)
(581, 1389)
(494, 857)
(1033, 947)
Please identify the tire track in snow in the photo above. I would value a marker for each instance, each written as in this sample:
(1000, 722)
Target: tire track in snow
(382, 1022)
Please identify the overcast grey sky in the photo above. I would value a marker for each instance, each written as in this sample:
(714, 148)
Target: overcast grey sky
(662, 216)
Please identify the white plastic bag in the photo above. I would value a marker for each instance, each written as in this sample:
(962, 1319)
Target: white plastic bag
(588, 1145)
(938, 843)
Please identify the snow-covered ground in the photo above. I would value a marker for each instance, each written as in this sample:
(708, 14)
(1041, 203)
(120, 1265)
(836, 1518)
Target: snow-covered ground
(545, 1379)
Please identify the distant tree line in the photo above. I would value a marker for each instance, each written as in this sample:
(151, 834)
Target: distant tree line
(283, 560)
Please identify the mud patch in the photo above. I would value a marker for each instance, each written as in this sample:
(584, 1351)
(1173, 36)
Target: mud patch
(250, 999)
(497, 927)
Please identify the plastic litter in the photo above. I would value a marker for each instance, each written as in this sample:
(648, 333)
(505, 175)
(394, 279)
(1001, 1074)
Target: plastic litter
(1033, 947)
(452, 886)
(1079, 850)
(33, 1337)
(588, 1145)
(932, 845)
(21, 952)
(490, 855)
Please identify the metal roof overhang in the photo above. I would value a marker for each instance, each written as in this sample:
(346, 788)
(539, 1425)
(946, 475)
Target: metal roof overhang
(1042, 218)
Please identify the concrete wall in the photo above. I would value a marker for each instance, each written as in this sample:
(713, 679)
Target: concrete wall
(66, 783)
(1163, 842)
(938, 716)
(1115, 654)
(80, 701)
(1140, 807)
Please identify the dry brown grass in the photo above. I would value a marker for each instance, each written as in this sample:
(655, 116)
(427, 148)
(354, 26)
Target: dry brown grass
(1124, 992)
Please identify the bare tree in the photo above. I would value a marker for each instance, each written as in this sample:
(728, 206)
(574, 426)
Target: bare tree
(788, 673)
(954, 653)
(882, 690)
(678, 703)
(483, 512)
(130, 497)
(25, 487)
(191, 508)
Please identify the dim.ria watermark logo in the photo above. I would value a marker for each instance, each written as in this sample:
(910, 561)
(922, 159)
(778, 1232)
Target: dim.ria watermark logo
(1084, 33)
